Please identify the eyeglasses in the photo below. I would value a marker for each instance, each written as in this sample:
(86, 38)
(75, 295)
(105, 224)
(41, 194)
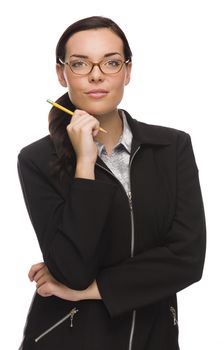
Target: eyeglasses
(83, 67)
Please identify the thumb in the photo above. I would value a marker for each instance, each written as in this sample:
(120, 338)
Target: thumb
(43, 291)
(95, 132)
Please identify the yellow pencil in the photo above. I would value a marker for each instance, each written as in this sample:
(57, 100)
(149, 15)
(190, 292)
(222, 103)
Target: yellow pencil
(67, 110)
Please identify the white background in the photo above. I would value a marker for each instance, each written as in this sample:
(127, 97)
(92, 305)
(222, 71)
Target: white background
(177, 81)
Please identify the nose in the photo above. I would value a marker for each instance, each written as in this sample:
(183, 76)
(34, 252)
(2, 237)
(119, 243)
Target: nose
(96, 75)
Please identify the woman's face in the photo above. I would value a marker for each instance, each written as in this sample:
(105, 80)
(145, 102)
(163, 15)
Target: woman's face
(96, 93)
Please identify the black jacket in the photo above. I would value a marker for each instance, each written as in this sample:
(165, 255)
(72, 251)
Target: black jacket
(87, 230)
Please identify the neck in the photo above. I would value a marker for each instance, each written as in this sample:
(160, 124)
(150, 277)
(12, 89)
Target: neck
(112, 123)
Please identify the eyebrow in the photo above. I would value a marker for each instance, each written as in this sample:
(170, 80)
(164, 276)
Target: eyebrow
(106, 55)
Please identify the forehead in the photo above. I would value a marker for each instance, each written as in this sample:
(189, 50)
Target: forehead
(94, 43)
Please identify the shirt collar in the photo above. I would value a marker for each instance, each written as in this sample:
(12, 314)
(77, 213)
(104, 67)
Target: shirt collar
(125, 139)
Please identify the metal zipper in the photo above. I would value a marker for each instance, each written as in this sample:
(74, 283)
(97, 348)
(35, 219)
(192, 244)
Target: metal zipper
(129, 195)
(132, 247)
(70, 314)
(174, 314)
(132, 330)
(132, 254)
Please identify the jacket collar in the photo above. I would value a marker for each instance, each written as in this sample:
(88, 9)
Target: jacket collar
(143, 134)
(125, 139)
(148, 134)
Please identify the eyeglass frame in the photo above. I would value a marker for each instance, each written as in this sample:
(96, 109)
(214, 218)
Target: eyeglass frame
(95, 64)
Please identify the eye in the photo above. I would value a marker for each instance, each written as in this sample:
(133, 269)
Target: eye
(113, 63)
(78, 64)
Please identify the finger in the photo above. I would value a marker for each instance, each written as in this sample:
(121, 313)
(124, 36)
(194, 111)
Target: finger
(89, 125)
(42, 280)
(81, 116)
(78, 114)
(34, 269)
(76, 123)
(45, 278)
(41, 273)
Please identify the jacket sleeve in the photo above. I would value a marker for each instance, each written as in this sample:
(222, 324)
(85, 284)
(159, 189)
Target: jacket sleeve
(69, 230)
(177, 262)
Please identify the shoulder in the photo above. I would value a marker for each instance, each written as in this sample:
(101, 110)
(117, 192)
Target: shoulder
(162, 131)
(38, 154)
(166, 135)
(38, 149)
(156, 134)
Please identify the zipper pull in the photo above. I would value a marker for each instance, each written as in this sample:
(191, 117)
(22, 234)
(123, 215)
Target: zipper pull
(130, 199)
(173, 311)
(72, 313)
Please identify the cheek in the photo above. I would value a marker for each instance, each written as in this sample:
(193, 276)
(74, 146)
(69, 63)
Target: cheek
(75, 84)
(118, 86)
(75, 90)
(116, 83)
(120, 80)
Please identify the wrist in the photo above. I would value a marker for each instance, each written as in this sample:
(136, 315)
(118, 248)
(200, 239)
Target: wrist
(91, 292)
(85, 169)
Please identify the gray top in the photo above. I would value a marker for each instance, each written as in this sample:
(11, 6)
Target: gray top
(118, 161)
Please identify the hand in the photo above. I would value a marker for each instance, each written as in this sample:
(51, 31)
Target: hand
(47, 285)
(81, 131)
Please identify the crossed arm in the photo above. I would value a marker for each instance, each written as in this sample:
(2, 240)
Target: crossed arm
(66, 240)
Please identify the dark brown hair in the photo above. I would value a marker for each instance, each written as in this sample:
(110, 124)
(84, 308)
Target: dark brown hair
(58, 120)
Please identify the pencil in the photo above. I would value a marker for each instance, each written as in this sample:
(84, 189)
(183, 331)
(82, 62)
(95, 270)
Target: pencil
(67, 111)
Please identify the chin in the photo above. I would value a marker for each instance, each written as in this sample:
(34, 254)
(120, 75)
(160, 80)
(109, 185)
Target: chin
(99, 107)
(97, 110)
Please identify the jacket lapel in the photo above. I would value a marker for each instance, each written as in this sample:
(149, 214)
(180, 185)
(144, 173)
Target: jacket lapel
(146, 134)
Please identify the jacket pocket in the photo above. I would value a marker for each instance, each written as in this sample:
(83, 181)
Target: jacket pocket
(50, 329)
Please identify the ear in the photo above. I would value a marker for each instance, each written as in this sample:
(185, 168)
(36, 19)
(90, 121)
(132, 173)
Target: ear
(60, 73)
(128, 73)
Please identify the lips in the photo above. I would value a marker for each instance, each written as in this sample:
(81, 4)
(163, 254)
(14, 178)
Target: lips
(97, 93)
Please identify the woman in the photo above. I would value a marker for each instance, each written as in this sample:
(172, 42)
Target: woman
(118, 214)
